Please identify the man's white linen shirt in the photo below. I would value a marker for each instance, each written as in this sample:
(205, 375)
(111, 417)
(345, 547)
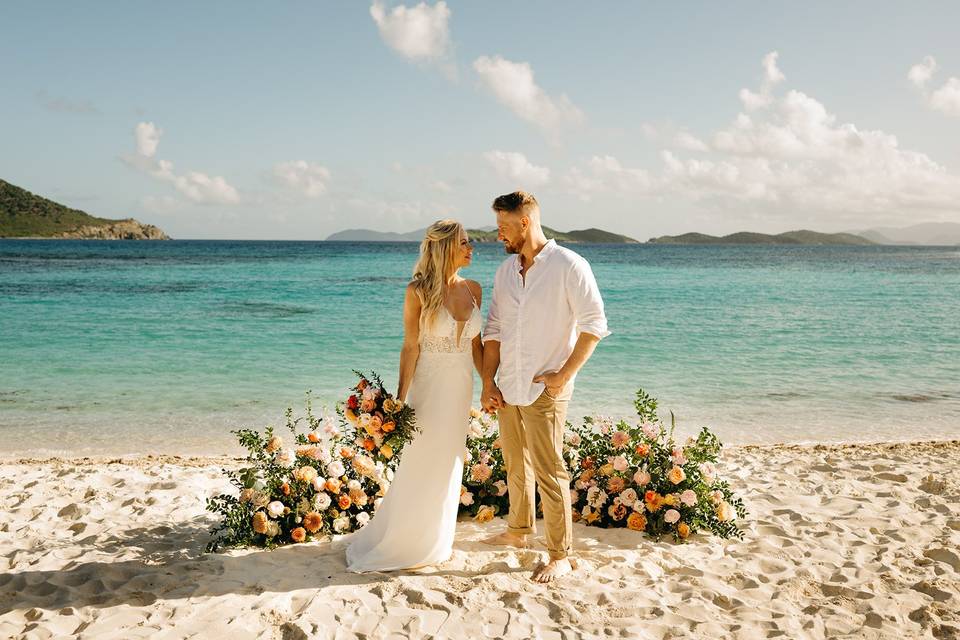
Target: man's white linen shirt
(537, 321)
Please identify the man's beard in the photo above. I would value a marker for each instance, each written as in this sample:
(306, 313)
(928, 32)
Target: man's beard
(511, 248)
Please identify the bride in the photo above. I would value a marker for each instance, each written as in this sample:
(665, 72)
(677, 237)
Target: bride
(415, 523)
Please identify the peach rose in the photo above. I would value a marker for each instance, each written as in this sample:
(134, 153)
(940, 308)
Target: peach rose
(620, 439)
(274, 444)
(620, 464)
(313, 437)
(298, 535)
(485, 514)
(637, 521)
(389, 426)
(641, 478)
(676, 475)
(386, 451)
(724, 511)
(689, 498)
(617, 512)
(671, 516)
(480, 473)
(260, 522)
(312, 522)
(305, 474)
(344, 502)
(346, 452)
(358, 497)
(367, 405)
(683, 530)
(333, 485)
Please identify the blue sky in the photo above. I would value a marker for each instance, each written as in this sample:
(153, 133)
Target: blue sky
(295, 120)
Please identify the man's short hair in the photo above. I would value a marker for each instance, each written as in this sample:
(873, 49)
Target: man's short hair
(516, 202)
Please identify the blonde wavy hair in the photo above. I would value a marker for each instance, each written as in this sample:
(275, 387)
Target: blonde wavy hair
(438, 253)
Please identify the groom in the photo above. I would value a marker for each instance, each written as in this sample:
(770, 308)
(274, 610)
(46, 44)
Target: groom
(545, 318)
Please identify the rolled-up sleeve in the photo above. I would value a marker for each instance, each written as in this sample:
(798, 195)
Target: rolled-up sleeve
(492, 329)
(584, 296)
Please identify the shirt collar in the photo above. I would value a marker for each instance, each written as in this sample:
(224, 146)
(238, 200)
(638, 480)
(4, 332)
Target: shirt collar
(547, 249)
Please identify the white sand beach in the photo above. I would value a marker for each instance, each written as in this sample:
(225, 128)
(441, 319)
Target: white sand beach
(858, 541)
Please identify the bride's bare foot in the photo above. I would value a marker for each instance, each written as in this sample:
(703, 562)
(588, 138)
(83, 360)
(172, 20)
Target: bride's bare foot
(507, 539)
(553, 570)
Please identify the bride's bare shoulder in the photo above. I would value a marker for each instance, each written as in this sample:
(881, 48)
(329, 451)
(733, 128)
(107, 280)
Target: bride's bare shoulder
(475, 288)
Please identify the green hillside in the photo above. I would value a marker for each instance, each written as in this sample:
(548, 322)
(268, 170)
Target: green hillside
(804, 237)
(24, 214)
(584, 235)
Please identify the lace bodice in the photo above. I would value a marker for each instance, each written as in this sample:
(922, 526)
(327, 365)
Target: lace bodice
(442, 336)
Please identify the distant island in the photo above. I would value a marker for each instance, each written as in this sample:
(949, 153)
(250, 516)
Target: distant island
(747, 237)
(481, 235)
(26, 215)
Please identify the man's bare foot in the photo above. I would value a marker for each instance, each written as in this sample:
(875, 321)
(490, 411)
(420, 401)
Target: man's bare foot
(553, 570)
(507, 539)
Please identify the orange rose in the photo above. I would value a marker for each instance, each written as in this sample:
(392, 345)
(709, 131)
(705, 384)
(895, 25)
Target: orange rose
(344, 502)
(368, 444)
(346, 452)
(312, 522)
(586, 463)
(298, 535)
(683, 530)
(285, 489)
(313, 437)
(654, 501)
(363, 384)
(389, 426)
(333, 485)
(637, 521)
(586, 475)
(643, 449)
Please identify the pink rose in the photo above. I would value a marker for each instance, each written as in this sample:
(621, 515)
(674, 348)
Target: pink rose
(641, 478)
(678, 457)
(501, 487)
(620, 464)
(689, 498)
(650, 430)
(620, 439)
(671, 516)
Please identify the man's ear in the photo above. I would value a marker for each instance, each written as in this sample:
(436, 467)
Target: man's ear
(524, 223)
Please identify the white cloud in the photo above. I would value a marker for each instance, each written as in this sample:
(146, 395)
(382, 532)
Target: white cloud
(514, 166)
(196, 186)
(513, 84)
(308, 178)
(772, 76)
(690, 142)
(420, 33)
(789, 154)
(946, 99)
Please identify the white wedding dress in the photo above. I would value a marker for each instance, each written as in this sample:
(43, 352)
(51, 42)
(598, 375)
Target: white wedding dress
(417, 519)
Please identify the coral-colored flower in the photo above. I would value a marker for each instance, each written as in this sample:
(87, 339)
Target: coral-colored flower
(333, 485)
(363, 384)
(620, 439)
(367, 406)
(346, 452)
(260, 522)
(586, 463)
(313, 437)
(637, 521)
(312, 522)
(642, 449)
(653, 501)
(298, 535)
(285, 489)
(344, 502)
(368, 444)
(389, 426)
(683, 530)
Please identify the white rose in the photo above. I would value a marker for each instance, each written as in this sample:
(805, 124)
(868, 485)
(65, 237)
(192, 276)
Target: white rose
(376, 503)
(324, 456)
(363, 518)
(336, 469)
(341, 524)
(275, 509)
(318, 483)
(628, 497)
(321, 501)
(353, 485)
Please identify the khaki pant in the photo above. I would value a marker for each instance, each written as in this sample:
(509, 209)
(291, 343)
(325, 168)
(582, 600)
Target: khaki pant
(532, 441)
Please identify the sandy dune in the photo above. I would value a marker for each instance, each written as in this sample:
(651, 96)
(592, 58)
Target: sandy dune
(843, 541)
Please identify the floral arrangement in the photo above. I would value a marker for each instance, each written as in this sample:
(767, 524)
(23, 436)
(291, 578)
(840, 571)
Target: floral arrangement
(322, 484)
(483, 493)
(331, 479)
(639, 477)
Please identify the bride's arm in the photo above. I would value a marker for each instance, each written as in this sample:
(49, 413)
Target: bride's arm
(410, 352)
(477, 345)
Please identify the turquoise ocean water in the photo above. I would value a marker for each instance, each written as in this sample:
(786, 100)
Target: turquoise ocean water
(126, 347)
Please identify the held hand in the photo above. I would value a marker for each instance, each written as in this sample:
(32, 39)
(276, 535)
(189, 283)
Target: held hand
(554, 381)
(491, 399)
